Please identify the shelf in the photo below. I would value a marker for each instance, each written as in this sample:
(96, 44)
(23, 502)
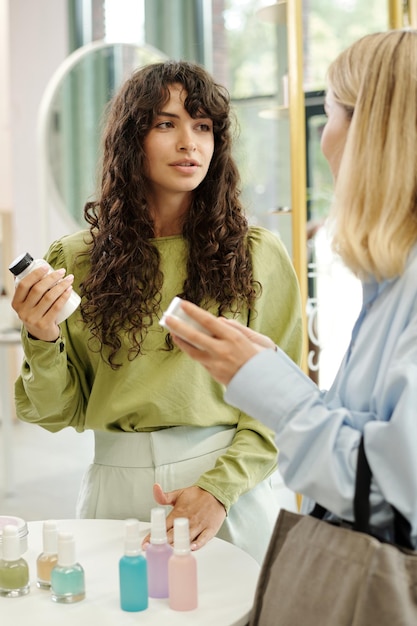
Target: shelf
(278, 112)
(275, 13)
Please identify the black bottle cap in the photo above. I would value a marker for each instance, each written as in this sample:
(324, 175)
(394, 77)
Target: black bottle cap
(20, 263)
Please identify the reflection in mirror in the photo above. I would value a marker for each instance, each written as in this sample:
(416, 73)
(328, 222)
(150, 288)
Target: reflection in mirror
(70, 121)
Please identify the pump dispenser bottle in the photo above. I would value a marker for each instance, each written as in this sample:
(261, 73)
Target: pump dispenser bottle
(133, 576)
(47, 560)
(24, 264)
(182, 570)
(14, 571)
(158, 553)
(67, 577)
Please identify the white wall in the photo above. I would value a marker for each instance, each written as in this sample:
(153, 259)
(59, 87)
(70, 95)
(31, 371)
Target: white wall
(5, 130)
(38, 43)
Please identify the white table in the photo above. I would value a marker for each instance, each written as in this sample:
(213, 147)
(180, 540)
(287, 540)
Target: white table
(8, 339)
(227, 579)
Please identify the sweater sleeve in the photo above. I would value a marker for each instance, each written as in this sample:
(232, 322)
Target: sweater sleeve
(253, 455)
(277, 312)
(51, 391)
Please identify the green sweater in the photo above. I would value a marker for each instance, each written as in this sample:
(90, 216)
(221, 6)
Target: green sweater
(66, 384)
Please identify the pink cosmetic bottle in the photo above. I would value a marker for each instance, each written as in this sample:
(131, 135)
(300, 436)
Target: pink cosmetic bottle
(182, 570)
(158, 553)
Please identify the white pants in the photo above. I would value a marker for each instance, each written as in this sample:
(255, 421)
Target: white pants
(119, 483)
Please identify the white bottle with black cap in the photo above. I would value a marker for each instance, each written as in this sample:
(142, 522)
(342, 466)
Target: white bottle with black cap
(24, 264)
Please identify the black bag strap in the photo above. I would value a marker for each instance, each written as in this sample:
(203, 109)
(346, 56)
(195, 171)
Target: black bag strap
(361, 504)
(319, 511)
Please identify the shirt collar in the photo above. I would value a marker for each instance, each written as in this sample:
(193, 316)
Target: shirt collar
(372, 288)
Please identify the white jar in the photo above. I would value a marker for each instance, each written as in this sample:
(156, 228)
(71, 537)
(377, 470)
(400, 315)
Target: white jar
(22, 529)
(24, 264)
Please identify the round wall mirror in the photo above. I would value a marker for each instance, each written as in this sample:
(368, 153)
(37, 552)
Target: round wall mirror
(70, 123)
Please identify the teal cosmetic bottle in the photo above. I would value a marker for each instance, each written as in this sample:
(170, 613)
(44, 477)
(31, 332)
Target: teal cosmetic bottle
(14, 571)
(67, 577)
(133, 575)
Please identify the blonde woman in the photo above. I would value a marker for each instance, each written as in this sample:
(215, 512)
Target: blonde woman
(370, 142)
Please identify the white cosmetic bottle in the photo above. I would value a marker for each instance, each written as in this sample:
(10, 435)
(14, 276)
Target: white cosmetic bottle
(24, 264)
(174, 310)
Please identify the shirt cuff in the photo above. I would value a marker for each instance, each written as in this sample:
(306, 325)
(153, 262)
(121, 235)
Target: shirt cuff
(269, 387)
(38, 348)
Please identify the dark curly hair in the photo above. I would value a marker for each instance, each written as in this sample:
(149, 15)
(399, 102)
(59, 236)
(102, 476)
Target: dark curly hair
(122, 289)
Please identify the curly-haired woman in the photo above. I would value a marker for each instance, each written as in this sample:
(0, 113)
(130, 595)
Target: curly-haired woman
(167, 221)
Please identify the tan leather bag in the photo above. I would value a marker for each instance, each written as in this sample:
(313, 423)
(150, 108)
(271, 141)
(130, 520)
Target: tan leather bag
(316, 573)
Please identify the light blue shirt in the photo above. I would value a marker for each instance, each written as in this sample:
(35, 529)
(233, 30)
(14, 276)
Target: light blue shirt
(374, 393)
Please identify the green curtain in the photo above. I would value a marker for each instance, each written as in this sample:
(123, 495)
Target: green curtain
(176, 28)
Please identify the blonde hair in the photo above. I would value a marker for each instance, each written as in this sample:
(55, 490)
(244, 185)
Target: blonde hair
(374, 214)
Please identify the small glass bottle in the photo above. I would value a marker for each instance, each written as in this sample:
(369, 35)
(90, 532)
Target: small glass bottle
(182, 570)
(47, 560)
(14, 570)
(67, 577)
(22, 531)
(133, 576)
(158, 553)
(24, 264)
